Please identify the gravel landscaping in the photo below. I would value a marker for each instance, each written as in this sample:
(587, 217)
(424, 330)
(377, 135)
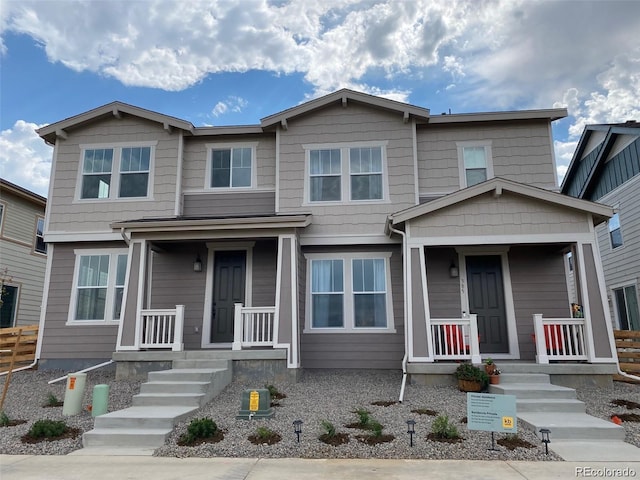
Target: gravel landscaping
(319, 395)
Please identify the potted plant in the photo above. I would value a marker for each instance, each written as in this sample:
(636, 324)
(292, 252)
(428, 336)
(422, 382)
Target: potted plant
(489, 366)
(471, 378)
(494, 378)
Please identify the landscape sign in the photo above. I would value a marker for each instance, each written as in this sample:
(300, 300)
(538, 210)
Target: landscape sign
(492, 413)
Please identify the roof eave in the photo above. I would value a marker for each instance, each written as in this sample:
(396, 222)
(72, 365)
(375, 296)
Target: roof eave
(543, 114)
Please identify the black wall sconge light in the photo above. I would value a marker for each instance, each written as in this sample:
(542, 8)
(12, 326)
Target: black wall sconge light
(411, 429)
(453, 271)
(544, 433)
(297, 428)
(197, 264)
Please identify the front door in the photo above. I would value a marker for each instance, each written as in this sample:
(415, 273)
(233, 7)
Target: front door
(486, 299)
(228, 289)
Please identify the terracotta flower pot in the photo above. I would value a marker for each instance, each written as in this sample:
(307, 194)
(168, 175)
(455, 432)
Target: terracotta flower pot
(490, 369)
(494, 379)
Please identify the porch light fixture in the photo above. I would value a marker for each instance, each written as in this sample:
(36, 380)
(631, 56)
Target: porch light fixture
(544, 432)
(297, 428)
(453, 271)
(411, 429)
(197, 265)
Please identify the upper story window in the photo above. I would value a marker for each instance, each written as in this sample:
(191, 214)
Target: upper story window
(475, 162)
(231, 166)
(1, 215)
(118, 171)
(40, 246)
(614, 231)
(349, 293)
(346, 173)
(98, 286)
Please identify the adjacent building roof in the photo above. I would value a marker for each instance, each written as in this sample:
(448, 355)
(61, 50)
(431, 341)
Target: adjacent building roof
(22, 192)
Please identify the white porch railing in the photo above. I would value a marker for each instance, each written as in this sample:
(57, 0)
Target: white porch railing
(162, 328)
(253, 327)
(559, 338)
(455, 338)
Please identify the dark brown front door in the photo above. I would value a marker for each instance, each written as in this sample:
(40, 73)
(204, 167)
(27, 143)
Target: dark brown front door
(228, 289)
(486, 299)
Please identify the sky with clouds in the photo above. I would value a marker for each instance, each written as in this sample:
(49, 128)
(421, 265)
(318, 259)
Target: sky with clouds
(233, 62)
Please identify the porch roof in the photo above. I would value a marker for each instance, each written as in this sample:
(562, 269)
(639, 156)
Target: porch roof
(498, 185)
(183, 224)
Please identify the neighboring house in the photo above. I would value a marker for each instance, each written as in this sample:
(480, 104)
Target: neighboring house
(606, 168)
(350, 231)
(23, 255)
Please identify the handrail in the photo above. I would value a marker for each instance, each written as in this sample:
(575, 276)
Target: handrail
(162, 328)
(253, 326)
(559, 338)
(456, 338)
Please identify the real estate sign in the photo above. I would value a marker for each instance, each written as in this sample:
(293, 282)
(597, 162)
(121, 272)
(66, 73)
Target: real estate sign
(492, 413)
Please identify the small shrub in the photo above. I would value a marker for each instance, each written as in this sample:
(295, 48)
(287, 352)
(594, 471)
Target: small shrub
(274, 392)
(201, 428)
(376, 428)
(52, 401)
(4, 419)
(264, 435)
(443, 428)
(329, 428)
(364, 416)
(48, 429)
(264, 432)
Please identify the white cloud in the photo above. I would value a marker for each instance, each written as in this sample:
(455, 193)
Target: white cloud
(24, 157)
(231, 104)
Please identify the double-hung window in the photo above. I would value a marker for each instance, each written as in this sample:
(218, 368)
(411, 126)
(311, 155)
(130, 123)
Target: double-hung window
(614, 231)
(99, 282)
(344, 173)
(627, 307)
(231, 166)
(349, 293)
(39, 245)
(475, 162)
(116, 171)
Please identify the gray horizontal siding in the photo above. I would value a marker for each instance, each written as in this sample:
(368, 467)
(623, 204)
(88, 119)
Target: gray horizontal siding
(62, 341)
(444, 291)
(265, 256)
(229, 204)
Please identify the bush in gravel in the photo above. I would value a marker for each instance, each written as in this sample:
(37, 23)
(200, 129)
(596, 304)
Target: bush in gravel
(364, 416)
(52, 401)
(329, 428)
(376, 428)
(4, 419)
(201, 428)
(263, 436)
(48, 429)
(443, 428)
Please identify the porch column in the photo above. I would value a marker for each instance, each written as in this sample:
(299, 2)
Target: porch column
(286, 315)
(127, 339)
(418, 327)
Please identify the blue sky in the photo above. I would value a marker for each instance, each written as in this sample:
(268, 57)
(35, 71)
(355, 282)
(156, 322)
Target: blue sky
(234, 62)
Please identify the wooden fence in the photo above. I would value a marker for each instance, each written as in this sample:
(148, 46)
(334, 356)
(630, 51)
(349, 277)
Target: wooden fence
(22, 351)
(628, 347)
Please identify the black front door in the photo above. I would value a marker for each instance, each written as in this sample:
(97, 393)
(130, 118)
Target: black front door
(486, 299)
(228, 289)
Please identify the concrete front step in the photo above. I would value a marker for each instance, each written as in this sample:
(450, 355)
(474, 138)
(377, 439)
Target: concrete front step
(184, 375)
(143, 417)
(572, 426)
(126, 437)
(533, 390)
(201, 363)
(550, 405)
(174, 387)
(169, 399)
(524, 378)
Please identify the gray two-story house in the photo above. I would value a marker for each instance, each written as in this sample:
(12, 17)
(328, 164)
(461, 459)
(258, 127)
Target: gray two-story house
(605, 168)
(350, 231)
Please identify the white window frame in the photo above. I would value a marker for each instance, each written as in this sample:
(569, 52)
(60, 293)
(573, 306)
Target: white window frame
(345, 176)
(111, 285)
(36, 236)
(114, 187)
(231, 146)
(348, 299)
(610, 231)
(487, 145)
(623, 287)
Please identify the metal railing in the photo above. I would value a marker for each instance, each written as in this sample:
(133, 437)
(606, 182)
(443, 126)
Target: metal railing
(253, 326)
(559, 338)
(455, 338)
(162, 328)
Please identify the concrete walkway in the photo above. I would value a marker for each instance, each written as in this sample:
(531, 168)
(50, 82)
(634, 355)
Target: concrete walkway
(32, 467)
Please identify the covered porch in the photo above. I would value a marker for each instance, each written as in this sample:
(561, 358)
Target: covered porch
(210, 285)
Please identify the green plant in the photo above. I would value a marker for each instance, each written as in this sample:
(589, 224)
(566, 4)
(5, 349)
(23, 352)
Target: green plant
(4, 419)
(52, 400)
(489, 361)
(376, 428)
(273, 391)
(48, 428)
(329, 428)
(468, 371)
(443, 428)
(364, 416)
(264, 433)
(201, 428)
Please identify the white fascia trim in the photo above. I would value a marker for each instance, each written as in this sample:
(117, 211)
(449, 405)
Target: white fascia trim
(62, 237)
(503, 239)
(347, 240)
(45, 298)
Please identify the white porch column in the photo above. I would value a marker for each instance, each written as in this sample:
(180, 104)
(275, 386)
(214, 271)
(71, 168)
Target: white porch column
(474, 343)
(178, 346)
(237, 327)
(541, 343)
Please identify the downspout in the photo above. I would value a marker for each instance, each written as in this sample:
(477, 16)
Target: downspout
(405, 358)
